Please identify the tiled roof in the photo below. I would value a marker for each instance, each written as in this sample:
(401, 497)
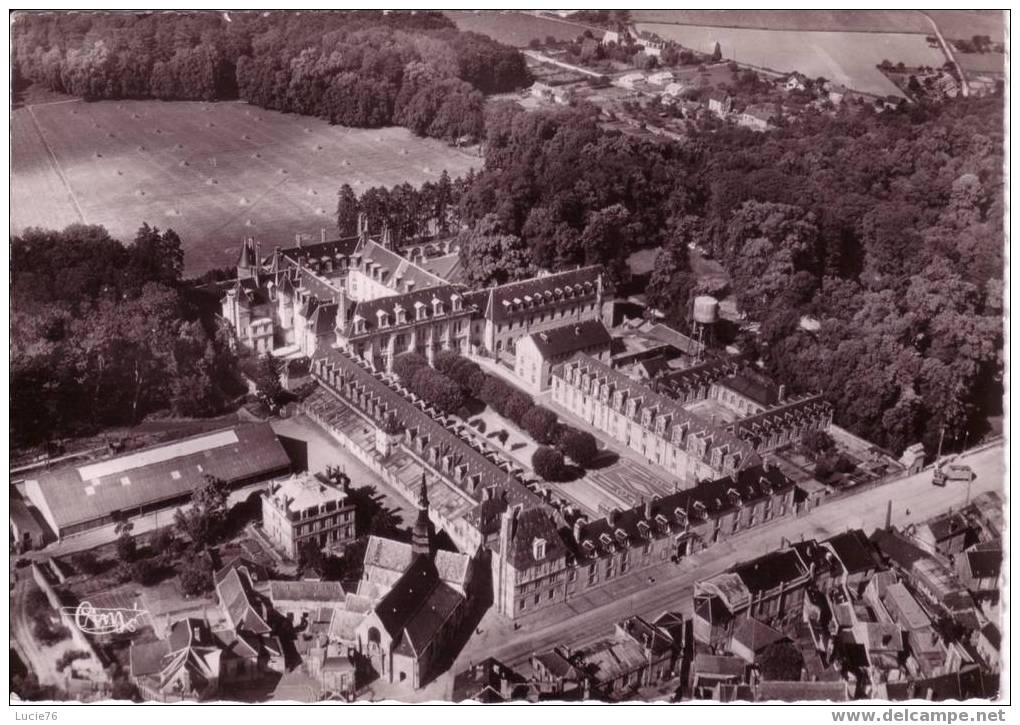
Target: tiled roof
(159, 473)
(571, 337)
(948, 526)
(512, 299)
(240, 604)
(306, 591)
(557, 664)
(388, 554)
(753, 427)
(335, 248)
(718, 665)
(898, 548)
(453, 568)
(755, 635)
(146, 658)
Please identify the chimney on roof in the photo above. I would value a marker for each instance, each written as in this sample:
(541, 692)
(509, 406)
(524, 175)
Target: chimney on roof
(648, 510)
(782, 393)
(578, 526)
(322, 234)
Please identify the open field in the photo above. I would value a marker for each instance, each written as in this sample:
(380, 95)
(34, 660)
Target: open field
(867, 21)
(982, 62)
(964, 24)
(844, 57)
(213, 172)
(513, 27)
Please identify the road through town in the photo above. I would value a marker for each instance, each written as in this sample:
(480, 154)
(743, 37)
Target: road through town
(592, 617)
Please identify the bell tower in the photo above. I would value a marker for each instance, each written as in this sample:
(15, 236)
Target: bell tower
(421, 535)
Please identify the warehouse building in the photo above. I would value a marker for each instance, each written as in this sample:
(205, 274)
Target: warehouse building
(83, 497)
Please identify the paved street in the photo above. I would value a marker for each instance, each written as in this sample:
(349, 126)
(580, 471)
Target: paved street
(592, 617)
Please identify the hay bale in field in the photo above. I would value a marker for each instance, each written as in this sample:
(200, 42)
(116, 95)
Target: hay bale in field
(119, 172)
(245, 137)
(281, 171)
(178, 146)
(173, 212)
(320, 211)
(184, 163)
(312, 192)
(345, 162)
(426, 169)
(210, 125)
(97, 155)
(318, 147)
(135, 116)
(111, 135)
(141, 148)
(158, 131)
(243, 201)
(139, 192)
(307, 130)
(256, 155)
(403, 152)
(249, 222)
(211, 182)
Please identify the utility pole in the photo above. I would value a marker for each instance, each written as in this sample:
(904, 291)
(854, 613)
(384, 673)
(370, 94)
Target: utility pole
(942, 437)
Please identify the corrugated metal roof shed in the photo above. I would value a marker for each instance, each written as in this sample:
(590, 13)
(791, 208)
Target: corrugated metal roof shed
(73, 497)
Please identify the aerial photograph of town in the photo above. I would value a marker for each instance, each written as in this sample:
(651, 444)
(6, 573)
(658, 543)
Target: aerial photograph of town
(509, 357)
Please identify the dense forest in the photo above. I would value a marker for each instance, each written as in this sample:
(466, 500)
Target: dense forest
(365, 68)
(103, 333)
(882, 230)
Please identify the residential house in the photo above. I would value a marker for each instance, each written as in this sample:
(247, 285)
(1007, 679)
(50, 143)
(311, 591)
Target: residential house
(632, 81)
(987, 642)
(771, 588)
(794, 82)
(187, 665)
(539, 352)
(301, 600)
(750, 637)
(304, 510)
(946, 534)
(720, 103)
(489, 681)
(661, 78)
(709, 673)
(856, 556)
(558, 677)
(757, 117)
(979, 569)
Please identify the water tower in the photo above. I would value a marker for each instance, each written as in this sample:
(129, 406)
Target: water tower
(706, 314)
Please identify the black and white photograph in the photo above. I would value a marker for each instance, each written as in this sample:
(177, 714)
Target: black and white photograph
(509, 357)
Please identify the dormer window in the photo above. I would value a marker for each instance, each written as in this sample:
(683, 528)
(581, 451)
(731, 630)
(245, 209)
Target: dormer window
(401, 315)
(606, 541)
(382, 318)
(359, 324)
(680, 515)
(419, 310)
(589, 547)
(538, 549)
(437, 306)
(661, 521)
(699, 509)
(456, 302)
(621, 536)
(644, 529)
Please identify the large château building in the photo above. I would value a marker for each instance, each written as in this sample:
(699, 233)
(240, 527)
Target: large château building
(360, 296)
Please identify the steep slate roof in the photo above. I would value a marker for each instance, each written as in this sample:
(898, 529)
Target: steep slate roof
(85, 492)
(395, 265)
(369, 309)
(897, 548)
(418, 425)
(984, 563)
(509, 301)
(751, 427)
(710, 499)
(947, 526)
(240, 604)
(416, 607)
(570, 338)
(854, 551)
(663, 407)
(769, 571)
(557, 664)
(453, 568)
(534, 524)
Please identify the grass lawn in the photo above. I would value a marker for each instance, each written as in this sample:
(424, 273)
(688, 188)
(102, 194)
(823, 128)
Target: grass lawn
(213, 172)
